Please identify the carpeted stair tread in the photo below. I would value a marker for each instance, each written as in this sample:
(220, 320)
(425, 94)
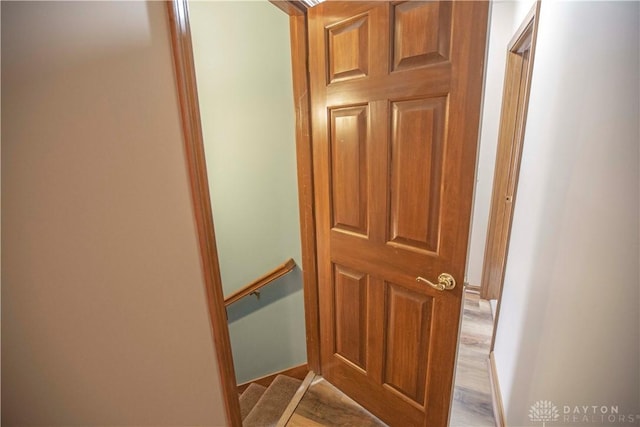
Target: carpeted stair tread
(250, 397)
(273, 402)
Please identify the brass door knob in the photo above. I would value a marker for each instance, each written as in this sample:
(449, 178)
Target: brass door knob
(445, 282)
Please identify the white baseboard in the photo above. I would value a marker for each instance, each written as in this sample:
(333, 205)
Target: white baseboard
(494, 307)
(496, 396)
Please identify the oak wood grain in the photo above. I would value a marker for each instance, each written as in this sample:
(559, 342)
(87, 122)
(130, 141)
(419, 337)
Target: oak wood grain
(413, 155)
(351, 311)
(304, 157)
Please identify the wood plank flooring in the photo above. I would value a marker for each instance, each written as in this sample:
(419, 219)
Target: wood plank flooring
(472, 391)
(325, 405)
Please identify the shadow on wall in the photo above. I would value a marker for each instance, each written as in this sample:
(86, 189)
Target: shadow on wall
(268, 334)
(270, 294)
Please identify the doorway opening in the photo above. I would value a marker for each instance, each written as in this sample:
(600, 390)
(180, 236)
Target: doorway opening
(520, 52)
(181, 38)
(345, 36)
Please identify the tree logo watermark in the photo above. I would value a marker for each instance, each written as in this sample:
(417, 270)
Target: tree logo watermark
(543, 411)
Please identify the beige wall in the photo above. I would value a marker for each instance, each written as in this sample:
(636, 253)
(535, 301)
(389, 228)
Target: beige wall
(569, 328)
(104, 319)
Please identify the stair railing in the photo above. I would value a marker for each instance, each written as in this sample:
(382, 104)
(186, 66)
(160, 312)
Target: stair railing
(254, 287)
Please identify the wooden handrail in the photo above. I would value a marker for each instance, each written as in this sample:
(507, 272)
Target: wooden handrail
(261, 281)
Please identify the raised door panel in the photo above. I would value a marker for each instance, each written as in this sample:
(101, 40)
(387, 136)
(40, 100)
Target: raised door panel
(348, 49)
(408, 323)
(348, 145)
(421, 33)
(395, 90)
(417, 142)
(350, 294)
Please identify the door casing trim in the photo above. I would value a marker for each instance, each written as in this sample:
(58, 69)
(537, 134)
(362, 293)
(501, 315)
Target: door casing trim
(178, 13)
(306, 189)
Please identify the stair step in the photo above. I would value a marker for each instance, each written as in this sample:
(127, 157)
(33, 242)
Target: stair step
(273, 402)
(250, 397)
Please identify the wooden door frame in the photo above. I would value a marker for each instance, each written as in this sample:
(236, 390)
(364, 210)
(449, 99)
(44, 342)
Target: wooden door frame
(511, 140)
(185, 76)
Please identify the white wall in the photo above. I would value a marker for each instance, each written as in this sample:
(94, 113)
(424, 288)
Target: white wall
(104, 319)
(500, 32)
(569, 327)
(243, 64)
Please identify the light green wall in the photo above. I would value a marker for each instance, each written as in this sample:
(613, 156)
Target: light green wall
(242, 57)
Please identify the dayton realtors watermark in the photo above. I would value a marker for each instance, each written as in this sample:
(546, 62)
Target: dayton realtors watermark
(597, 414)
(545, 411)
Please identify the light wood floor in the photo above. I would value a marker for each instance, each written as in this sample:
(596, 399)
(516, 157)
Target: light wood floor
(325, 405)
(472, 390)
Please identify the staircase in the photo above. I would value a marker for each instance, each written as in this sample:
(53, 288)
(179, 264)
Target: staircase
(264, 406)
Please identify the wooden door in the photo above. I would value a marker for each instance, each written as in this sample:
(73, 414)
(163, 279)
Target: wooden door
(395, 99)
